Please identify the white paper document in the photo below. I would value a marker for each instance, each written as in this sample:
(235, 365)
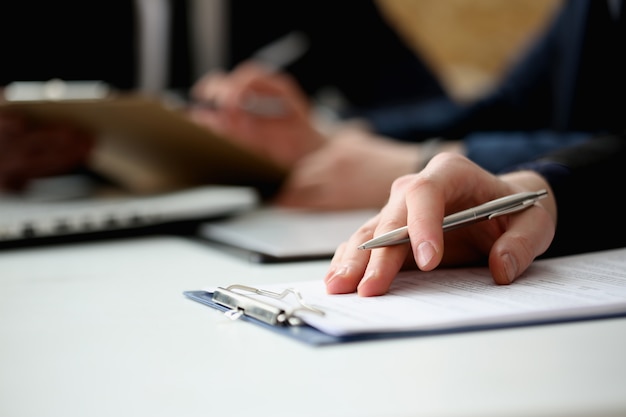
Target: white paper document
(576, 287)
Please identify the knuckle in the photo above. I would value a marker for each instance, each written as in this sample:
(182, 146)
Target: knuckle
(411, 182)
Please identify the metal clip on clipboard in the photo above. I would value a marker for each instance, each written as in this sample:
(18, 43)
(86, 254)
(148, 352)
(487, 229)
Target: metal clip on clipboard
(240, 304)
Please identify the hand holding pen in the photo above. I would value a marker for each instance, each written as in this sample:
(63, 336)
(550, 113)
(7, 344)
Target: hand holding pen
(270, 59)
(259, 108)
(515, 228)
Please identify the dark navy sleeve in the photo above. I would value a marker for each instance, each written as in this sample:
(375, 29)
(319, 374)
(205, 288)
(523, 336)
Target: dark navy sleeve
(495, 151)
(588, 184)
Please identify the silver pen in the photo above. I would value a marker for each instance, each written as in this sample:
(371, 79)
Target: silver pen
(486, 211)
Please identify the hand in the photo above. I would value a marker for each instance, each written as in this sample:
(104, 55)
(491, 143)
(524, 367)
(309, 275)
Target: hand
(283, 138)
(31, 150)
(449, 183)
(355, 169)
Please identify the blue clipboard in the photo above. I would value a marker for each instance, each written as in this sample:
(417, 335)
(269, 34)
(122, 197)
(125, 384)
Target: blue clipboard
(312, 336)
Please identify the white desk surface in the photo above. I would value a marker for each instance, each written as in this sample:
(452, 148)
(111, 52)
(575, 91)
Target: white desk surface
(103, 329)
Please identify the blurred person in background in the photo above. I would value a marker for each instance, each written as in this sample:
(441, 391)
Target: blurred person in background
(164, 46)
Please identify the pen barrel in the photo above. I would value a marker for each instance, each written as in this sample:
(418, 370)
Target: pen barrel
(459, 219)
(504, 205)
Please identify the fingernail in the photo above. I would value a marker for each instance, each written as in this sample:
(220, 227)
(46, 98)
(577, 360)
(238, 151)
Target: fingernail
(510, 267)
(425, 252)
(368, 276)
(340, 271)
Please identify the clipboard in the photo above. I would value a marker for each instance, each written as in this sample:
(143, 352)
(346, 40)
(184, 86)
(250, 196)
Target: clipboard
(147, 146)
(312, 336)
(583, 287)
(263, 314)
